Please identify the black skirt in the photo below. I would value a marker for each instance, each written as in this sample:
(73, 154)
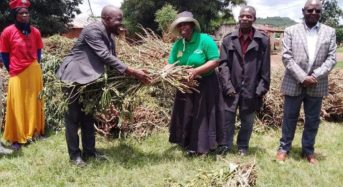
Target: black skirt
(197, 121)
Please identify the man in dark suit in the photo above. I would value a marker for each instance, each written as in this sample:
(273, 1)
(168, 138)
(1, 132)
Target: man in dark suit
(245, 77)
(93, 50)
(309, 54)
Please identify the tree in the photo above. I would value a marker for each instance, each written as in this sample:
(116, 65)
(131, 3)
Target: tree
(142, 12)
(339, 35)
(331, 13)
(49, 16)
(165, 16)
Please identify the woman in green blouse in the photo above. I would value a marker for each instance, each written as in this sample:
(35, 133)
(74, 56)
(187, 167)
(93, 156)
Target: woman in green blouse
(197, 118)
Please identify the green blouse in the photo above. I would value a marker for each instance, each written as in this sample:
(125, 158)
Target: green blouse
(196, 52)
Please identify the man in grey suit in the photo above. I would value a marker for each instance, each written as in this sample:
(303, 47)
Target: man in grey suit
(309, 54)
(93, 50)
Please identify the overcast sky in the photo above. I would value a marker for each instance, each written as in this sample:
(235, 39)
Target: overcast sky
(264, 8)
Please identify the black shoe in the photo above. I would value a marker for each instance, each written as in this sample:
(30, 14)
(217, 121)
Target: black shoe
(95, 155)
(242, 152)
(16, 146)
(78, 161)
(191, 153)
(222, 150)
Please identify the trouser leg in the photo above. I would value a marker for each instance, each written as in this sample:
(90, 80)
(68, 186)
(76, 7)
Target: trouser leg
(72, 122)
(291, 111)
(229, 127)
(244, 134)
(88, 134)
(312, 108)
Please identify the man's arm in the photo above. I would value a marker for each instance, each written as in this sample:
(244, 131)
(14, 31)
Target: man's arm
(95, 41)
(39, 55)
(330, 61)
(263, 85)
(288, 59)
(224, 72)
(5, 60)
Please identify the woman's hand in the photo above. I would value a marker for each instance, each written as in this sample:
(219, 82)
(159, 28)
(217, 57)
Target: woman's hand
(192, 74)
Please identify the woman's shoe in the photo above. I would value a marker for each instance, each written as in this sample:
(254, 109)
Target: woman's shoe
(15, 146)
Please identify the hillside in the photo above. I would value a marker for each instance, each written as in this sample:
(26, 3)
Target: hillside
(276, 21)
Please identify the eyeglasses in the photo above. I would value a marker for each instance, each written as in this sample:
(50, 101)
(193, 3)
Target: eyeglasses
(317, 11)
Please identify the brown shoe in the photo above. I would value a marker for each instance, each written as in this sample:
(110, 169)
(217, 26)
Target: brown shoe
(311, 159)
(281, 156)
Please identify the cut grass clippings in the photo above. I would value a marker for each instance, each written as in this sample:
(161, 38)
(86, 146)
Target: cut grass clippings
(156, 162)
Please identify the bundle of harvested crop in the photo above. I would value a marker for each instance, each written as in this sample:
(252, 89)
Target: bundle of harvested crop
(234, 174)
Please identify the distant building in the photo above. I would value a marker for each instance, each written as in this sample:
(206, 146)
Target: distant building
(76, 27)
(78, 24)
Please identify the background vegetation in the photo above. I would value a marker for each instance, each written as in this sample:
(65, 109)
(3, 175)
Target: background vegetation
(276, 21)
(140, 12)
(50, 16)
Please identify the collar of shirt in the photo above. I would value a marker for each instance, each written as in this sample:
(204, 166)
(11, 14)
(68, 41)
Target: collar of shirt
(245, 42)
(315, 28)
(250, 35)
(194, 39)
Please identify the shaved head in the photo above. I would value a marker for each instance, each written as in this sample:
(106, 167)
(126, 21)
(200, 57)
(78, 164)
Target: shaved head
(109, 9)
(112, 18)
(312, 12)
(312, 2)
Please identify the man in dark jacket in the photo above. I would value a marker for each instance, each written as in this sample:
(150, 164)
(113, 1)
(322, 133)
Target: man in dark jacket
(245, 77)
(93, 50)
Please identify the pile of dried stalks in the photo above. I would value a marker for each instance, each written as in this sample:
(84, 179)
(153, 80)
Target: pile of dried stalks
(3, 93)
(333, 104)
(272, 110)
(233, 175)
(120, 103)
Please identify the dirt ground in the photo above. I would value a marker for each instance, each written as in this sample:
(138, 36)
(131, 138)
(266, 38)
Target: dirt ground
(276, 61)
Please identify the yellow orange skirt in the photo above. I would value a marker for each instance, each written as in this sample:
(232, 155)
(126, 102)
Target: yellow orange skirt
(24, 110)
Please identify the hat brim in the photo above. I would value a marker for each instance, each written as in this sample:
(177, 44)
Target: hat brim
(175, 30)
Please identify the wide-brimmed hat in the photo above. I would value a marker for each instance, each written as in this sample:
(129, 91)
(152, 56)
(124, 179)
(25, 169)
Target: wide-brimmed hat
(183, 17)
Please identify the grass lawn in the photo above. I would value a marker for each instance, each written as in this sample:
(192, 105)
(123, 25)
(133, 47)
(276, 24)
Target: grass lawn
(340, 49)
(155, 162)
(339, 64)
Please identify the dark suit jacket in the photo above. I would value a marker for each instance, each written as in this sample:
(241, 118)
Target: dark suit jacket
(251, 80)
(91, 52)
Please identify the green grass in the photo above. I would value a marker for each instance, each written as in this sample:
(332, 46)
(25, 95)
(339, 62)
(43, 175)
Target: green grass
(155, 162)
(339, 64)
(340, 49)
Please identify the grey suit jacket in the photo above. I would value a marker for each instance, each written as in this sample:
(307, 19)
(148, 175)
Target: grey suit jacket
(296, 61)
(91, 52)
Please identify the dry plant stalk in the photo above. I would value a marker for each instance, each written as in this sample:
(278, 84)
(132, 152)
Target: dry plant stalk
(272, 110)
(233, 175)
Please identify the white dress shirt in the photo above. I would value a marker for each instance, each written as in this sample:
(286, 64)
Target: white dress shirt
(312, 38)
